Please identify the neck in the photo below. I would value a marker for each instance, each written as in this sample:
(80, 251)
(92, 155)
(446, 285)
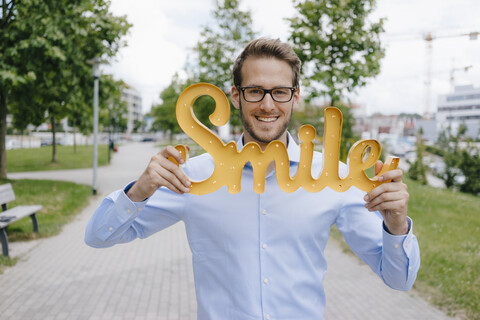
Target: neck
(247, 138)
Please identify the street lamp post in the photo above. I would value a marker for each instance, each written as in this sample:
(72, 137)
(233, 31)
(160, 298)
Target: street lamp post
(110, 141)
(96, 76)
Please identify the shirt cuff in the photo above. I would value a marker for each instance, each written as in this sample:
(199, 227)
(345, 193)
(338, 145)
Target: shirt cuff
(125, 190)
(395, 244)
(126, 208)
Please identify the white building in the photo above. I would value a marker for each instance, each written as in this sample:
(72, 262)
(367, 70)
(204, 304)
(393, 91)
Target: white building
(460, 107)
(134, 106)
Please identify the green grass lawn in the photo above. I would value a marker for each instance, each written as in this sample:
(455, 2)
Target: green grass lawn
(40, 159)
(447, 225)
(61, 202)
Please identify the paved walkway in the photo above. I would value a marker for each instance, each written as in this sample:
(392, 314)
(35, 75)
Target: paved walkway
(62, 278)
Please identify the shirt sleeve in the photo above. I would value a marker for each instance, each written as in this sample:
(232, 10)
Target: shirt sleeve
(119, 220)
(401, 259)
(395, 259)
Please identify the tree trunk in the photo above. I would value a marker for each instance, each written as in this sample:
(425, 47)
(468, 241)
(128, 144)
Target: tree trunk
(74, 139)
(54, 142)
(3, 133)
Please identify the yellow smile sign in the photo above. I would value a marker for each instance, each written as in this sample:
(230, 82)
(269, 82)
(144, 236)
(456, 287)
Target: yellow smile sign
(229, 162)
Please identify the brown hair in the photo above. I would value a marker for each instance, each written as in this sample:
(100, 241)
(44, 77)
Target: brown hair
(267, 48)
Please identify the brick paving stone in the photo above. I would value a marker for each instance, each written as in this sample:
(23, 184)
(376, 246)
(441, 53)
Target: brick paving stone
(62, 278)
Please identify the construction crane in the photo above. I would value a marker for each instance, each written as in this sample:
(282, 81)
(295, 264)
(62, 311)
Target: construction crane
(429, 37)
(452, 75)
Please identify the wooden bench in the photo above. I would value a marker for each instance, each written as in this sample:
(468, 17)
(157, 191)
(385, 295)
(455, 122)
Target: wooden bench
(8, 216)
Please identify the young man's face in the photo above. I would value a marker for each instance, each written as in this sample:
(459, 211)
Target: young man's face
(266, 120)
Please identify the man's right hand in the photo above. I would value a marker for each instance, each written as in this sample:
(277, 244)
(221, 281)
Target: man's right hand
(160, 172)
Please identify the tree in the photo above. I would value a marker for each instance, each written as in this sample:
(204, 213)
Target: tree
(338, 46)
(111, 108)
(310, 114)
(459, 161)
(451, 154)
(10, 76)
(111, 101)
(470, 167)
(164, 114)
(218, 47)
(47, 48)
(418, 170)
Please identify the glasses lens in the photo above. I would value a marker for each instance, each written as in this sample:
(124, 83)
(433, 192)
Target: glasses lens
(282, 94)
(253, 94)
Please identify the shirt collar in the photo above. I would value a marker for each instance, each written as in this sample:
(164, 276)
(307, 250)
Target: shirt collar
(293, 149)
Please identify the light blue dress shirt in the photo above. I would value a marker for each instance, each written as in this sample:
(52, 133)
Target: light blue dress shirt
(261, 256)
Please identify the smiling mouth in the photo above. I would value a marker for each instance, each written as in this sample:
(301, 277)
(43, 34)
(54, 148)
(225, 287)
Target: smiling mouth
(266, 119)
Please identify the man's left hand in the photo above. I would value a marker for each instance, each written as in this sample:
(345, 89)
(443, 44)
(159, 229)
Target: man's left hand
(390, 199)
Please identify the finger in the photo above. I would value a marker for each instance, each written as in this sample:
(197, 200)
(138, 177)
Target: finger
(396, 206)
(378, 166)
(172, 152)
(385, 187)
(175, 188)
(171, 173)
(162, 159)
(163, 177)
(387, 197)
(394, 175)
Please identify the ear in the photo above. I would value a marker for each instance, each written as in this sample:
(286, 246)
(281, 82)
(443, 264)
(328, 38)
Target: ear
(296, 98)
(235, 96)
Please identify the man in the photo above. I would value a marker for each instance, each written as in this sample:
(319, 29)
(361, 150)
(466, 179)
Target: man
(261, 256)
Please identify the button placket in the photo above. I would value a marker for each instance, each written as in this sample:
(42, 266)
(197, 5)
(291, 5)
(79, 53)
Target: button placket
(262, 245)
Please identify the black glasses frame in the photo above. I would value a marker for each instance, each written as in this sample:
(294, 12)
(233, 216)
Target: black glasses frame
(269, 91)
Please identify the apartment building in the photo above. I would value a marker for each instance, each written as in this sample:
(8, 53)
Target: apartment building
(460, 107)
(134, 106)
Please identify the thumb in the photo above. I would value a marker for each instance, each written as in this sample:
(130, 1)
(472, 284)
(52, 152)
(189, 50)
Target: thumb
(378, 167)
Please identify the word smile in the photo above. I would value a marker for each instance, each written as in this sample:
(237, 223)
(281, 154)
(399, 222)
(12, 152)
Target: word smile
(229, 162)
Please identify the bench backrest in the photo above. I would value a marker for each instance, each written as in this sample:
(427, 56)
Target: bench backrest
(6, 194)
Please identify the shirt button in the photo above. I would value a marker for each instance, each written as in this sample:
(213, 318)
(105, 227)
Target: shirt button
(128, 210)
(396, 245)
(264, 246)
(110, 229)
(267, 316)
(139, 209)
(264, 211)
(265, 280)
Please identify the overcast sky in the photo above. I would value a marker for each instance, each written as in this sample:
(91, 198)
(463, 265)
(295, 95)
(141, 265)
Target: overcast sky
(164, 32)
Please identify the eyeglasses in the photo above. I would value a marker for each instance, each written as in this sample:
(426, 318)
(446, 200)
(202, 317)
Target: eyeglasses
(256, 94)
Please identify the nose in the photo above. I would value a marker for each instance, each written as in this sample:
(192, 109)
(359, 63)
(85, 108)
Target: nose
(268, 104)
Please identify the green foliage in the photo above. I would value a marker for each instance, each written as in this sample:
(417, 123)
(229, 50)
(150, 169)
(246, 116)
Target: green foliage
(44, 68)
(311, 115)
(219, 44)
(348, 136)
(451, 151)
(470, 167)
(435, 150)
(338, 46)
(113, 107)
(164, 114)
(418, 170)
(451, 160)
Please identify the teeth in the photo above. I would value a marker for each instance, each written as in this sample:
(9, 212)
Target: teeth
(266, 119)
